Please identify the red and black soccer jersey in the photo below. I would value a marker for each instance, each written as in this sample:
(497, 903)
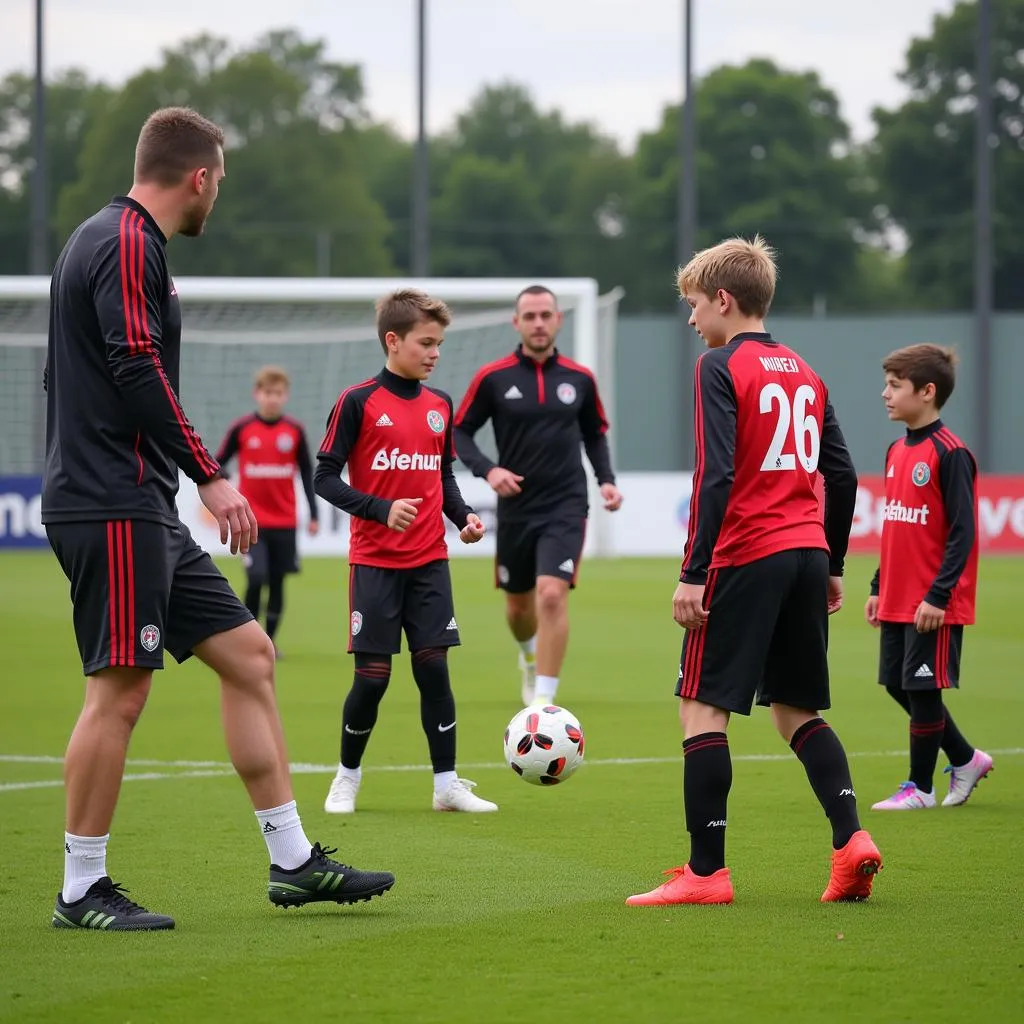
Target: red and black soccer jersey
(116, 433)
(764, 429)
(395, 436)
(270, 452)
(930, 528)
(541, 413)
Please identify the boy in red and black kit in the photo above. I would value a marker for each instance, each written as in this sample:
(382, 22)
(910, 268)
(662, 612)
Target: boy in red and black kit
(394, 434)
(923, 593)
(271, 449)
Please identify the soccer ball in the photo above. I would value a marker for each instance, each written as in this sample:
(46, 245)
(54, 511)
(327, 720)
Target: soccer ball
(544, 745)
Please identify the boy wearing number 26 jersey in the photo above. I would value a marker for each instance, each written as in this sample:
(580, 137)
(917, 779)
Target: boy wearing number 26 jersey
(761, 572)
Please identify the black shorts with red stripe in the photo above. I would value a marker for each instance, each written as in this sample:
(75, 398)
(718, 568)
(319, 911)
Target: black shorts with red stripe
(909, 660)
(765, 638)
(139, 588)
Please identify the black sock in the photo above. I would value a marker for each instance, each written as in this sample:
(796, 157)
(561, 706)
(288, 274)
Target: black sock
(275, 604)
(253, 591)
(359, 715)
(954, 744)
(437, 705)
(707, 779)
(927, 724)
(828, 772)
(899, 695)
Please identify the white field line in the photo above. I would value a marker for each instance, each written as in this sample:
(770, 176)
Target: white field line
(213, 769)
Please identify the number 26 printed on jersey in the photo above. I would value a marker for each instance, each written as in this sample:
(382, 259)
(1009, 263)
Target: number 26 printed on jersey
(796, 418)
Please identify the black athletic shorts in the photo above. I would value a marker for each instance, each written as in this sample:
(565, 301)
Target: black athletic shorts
(384, 602)
(275, 554)
(528, 548)
(139, 588)
(909, 660)
(765, 638)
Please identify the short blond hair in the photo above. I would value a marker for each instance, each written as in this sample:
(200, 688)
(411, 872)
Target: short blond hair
(745, 269)
(268, 376)
(400, 311)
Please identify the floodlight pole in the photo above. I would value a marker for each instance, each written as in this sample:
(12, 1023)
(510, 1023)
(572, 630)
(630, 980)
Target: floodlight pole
(38, 259)
(686, 231)
(983, 256)
(421, 168)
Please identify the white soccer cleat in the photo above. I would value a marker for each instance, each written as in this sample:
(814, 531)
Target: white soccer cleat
(459, 797)
(528, 667)
(963, 780)
(342, 796)
(907, 798)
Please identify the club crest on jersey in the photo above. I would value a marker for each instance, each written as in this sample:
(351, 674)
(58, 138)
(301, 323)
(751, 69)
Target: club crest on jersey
(435, 421)
(566, 393)
(357, 623)
(285, 443)
(149, 637)
(921, 474)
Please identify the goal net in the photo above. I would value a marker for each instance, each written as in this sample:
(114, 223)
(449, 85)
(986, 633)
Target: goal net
(320, 330)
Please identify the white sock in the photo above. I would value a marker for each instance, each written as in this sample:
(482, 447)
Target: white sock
(529, 647)
(85, 862)
(442, 780)
(547, 687)
(286, 841)
(355, 774)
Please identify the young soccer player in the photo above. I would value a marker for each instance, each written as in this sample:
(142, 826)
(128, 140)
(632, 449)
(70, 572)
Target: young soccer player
(761, 572)
(395, 435)
(116, 437)
(543, 407)
(271, 448)
(923, 593)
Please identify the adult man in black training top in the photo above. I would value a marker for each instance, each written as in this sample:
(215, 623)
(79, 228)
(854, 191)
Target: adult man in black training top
(542, 406)
(116, 435)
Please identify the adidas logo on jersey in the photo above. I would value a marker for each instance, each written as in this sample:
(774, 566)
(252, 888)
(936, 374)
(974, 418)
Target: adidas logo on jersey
(397, 459)
(451, 625)
(891, 473)
(896, 512)
(567, 566)
(924, 672)
(385, 421)
(513, 392)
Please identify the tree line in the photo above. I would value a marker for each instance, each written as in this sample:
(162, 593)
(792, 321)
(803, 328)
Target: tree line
(316, 186)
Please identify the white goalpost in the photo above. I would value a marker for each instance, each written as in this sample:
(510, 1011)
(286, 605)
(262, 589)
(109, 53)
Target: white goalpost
(321, 330)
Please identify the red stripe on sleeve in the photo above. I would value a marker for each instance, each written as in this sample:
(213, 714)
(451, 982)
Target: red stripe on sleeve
(332, 424)
(144, 343)
(474, 384)
(126, 292)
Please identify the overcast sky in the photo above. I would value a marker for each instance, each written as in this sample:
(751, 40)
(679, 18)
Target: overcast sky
(612, 62)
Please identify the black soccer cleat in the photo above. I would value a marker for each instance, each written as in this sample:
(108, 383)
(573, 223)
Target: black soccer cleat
(105, 908)
(322, 880)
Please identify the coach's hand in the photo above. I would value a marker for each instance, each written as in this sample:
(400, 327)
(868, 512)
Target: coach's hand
(232, 512)
(612, 497)
(402, 513)
(928, 617)
(688, 606)
(871, 611)
(473, 530)
(835, 594)
(504, 482)
(313, 528)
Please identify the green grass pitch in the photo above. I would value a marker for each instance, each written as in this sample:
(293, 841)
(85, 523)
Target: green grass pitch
(516, 916)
